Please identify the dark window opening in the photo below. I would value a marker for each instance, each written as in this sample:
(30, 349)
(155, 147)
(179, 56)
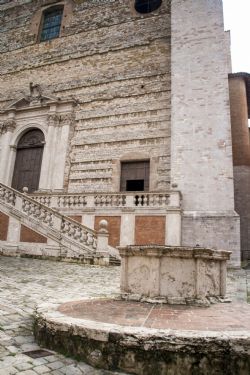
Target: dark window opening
(135, 176)
(51, 23)
(147, 6)
(135, 185)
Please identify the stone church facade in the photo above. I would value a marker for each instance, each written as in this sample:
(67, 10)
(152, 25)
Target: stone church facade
(119, 110)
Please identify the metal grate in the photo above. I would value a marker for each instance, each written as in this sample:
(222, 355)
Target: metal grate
(38, 353)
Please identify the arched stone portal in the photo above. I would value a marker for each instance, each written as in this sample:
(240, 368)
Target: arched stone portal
(28, 160)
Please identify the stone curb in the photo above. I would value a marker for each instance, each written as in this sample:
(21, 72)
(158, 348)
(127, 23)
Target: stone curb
(109, 346)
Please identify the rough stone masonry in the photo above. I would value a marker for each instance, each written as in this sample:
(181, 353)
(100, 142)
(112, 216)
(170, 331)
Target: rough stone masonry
(118, 85)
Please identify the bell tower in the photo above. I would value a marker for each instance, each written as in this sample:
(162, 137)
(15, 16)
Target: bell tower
(201, 146)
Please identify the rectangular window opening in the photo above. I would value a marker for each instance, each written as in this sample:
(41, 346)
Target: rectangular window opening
(51, 25)
(135, 175)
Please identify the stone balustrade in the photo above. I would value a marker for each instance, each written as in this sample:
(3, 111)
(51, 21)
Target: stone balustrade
(136, 200)
(48, 221)
(131, 216)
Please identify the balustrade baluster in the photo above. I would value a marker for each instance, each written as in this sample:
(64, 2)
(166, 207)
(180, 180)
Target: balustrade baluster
(84, 237)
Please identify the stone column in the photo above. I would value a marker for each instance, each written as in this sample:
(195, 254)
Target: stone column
(127, 229)
(48, 154)
(173, 228)
(55, 151)
(6, 131)
(62, 130)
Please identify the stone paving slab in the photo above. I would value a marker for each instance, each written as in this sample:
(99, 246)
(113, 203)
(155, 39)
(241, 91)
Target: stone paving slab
(25, 283)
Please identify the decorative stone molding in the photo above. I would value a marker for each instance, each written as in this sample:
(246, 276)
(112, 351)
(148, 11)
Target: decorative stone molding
(67, 118)
(7, 125)
(53, 119)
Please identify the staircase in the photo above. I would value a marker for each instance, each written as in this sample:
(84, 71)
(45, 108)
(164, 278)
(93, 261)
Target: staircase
(64, 237)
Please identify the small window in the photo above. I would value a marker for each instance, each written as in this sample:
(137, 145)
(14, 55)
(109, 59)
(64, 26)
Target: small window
(147, 6)
(51, 23)
(135, 176)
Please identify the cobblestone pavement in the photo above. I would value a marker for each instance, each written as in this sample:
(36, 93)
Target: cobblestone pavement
(24, 283)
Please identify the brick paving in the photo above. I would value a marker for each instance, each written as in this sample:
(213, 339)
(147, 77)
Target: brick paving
(24, 283)
(218, 317)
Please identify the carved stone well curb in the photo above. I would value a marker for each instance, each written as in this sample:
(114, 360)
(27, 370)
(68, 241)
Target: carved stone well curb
(175, 275)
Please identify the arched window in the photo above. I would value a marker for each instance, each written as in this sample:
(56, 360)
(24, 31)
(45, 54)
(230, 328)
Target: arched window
(51, 23)
(28, 161)
(147, 6)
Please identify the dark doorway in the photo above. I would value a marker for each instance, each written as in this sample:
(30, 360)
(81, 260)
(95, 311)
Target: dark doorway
(135, 185)
(135, 176)
(147, 6)
(28, 161)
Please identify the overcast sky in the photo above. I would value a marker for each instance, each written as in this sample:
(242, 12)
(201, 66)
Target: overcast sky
(236, 18)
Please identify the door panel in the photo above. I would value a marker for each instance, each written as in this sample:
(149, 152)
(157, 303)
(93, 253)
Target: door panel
(28, 161)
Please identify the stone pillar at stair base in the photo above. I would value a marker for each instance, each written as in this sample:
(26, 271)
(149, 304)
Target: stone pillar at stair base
(102, 243)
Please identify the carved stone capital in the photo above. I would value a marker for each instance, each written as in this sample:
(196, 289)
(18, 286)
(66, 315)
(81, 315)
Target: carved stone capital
(53, 119)
(67, 118)
(7, 126)
(57, 119)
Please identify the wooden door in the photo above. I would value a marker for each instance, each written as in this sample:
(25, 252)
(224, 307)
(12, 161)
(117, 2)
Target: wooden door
(28, 161)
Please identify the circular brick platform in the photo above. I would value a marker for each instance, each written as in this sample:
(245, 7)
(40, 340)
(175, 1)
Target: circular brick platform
(146, 339)
(218, 317)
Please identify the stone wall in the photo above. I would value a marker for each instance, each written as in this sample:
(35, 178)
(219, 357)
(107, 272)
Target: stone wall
(116, 64)
(201, 144)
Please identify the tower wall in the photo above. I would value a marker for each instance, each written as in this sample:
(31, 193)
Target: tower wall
(201, 146)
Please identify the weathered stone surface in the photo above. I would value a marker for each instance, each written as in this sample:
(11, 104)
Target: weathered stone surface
(201, 139)
(144, 87)
(26, 282)
(178, 274)
(144, 351)
(116, 64)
